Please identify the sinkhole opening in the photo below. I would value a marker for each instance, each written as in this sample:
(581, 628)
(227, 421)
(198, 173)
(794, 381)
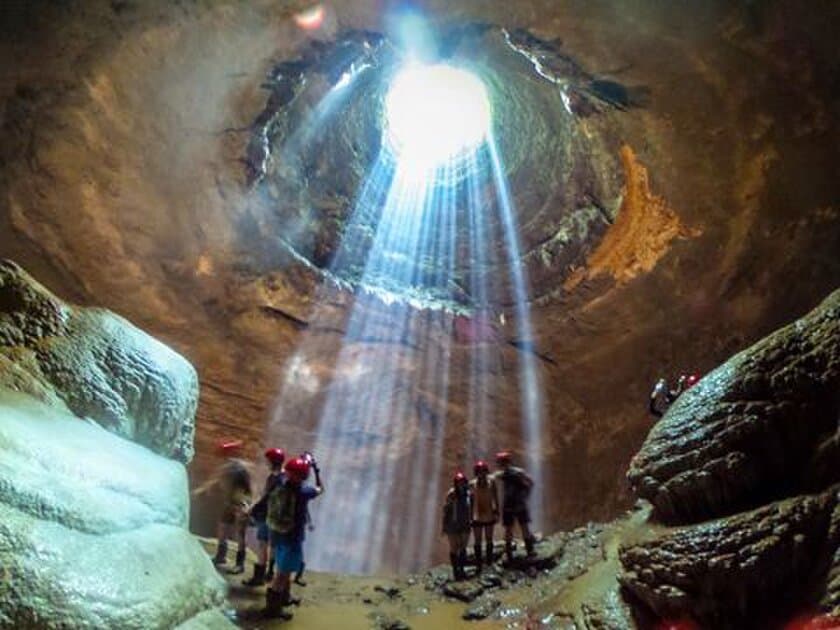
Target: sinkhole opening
(435, 114)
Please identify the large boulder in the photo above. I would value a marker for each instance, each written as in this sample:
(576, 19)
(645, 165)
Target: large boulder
(93, 533)
(830, 600)
(762, 426)
(94, 527)
(747, 462)
(97, 365)
(725, 572)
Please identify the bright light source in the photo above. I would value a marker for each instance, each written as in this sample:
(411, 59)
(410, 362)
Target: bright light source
(435, 113)
(311, 19)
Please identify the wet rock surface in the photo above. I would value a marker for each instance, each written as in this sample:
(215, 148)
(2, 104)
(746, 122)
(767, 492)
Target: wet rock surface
(482, 609)
(760, 429)
(96, 365)
(94, 528)
(501, 596)
(739, 571)
(93, 541)
(830, 599)
(763, 425)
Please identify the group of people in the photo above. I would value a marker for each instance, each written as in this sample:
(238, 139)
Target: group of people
(280, 515)
(474, 506)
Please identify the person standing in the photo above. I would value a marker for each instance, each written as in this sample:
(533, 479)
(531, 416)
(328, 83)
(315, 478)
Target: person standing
(263, 569)
(234, 483)
(485, 512)
(516, 487)
(661, 397)
(457, 512)
(286, 518)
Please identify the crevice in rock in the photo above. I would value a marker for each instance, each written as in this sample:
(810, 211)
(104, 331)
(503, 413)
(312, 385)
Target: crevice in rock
(528, 346)
(278, 313)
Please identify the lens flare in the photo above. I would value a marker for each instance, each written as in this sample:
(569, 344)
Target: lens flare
(311, 19)
(435, 114)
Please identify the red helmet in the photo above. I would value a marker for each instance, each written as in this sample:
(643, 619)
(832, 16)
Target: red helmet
(296, 469)
(229, 448)
(503, 457)
(481, 467)
(691, 380)
(459, 478)
(276, 456)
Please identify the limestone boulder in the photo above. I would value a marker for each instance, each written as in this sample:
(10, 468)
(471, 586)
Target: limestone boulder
(830, 598)
(762, 426)
(731, 571)
(93, 533)
(95, 364)
(746, 464)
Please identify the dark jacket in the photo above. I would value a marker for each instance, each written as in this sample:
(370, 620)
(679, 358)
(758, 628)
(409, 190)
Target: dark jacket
(457, 511)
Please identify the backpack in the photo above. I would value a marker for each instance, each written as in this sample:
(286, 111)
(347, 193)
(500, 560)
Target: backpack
(259, 511)
(282, 509)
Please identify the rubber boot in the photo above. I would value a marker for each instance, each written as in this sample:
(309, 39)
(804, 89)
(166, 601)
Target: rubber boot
(274, 606)
(221, 554)
(529, 546)
(478, 558)
(288, 600)
(488, 553)
(258, 579)
(299, 575)
(240, 563)
(456, 572)
(462, 563)
(509, 550)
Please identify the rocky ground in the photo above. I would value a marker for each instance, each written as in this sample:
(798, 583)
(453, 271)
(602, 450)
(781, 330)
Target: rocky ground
(570, 581)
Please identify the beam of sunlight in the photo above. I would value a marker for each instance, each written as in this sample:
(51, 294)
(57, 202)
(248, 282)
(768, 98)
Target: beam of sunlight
(383, 430)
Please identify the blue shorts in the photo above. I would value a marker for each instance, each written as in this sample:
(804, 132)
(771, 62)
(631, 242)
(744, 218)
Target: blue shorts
(288, 554)
(263, 533)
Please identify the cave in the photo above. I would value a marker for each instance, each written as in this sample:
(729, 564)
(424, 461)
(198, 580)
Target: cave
(397, 238)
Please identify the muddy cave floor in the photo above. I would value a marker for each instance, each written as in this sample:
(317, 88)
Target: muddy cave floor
(572, 572)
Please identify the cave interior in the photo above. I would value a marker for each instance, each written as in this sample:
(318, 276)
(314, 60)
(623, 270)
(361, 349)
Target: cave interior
(407, 236)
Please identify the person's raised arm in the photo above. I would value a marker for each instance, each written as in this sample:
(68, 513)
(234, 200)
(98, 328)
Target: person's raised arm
(319, 484)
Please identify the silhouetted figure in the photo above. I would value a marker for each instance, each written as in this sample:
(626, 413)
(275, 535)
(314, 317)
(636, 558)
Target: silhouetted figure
(515, 488)
(457, 513)
(661, 397)
(485, 512)
(287, 517)
(264, 567)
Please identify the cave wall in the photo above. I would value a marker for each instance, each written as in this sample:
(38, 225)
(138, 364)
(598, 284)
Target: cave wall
(125, 125)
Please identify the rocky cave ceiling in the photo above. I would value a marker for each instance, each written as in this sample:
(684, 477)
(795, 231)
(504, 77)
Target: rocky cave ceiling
(661, 157)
